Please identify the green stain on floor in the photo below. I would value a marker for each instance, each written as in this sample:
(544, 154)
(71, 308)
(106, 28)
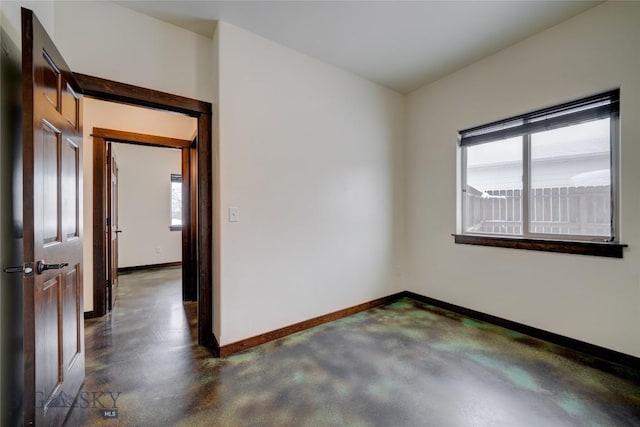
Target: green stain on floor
(571, 404)
(517, 375)
(298, 377)
(459, 346)
(473, 323)
(450, 347)
(486, 361)
(241, 357)
(522, 378)
(514, 334)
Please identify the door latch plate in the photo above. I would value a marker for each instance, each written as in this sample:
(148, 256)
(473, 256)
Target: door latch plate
(26, 269)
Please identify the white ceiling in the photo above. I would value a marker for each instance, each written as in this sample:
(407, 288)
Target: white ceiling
(399, 44)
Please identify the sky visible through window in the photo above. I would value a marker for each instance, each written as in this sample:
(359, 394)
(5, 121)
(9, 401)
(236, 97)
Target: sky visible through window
(569, 156)
(176, 200)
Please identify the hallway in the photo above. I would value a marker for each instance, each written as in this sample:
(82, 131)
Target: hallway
(142, 356)
(404, 364)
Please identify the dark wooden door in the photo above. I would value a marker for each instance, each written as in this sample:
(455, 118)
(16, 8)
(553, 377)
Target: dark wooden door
(52, 186)
(112, 227)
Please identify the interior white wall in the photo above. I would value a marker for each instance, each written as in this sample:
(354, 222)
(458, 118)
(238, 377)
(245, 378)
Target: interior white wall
(144, 205)
(103, 39)
(110, 115)
(588, 298)
(311, 155)
(10, 16)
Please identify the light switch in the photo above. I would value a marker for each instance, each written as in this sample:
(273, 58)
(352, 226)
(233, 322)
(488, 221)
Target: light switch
(234, 214)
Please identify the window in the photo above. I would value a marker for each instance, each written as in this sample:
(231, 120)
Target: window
(547, 175)
(176, 202)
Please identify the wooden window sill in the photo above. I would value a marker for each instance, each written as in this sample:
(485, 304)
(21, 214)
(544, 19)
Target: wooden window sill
(604, 249)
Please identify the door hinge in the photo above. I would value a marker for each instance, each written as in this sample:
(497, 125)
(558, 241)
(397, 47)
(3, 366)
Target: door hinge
(108, 222)
(26, 269)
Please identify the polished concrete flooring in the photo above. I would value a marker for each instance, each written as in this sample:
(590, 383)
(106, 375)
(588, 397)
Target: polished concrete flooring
(405, 364)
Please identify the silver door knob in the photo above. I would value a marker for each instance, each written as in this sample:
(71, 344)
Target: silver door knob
(42, 266)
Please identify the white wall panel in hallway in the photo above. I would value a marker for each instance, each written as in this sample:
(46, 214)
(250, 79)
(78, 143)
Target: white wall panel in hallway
(144, 209)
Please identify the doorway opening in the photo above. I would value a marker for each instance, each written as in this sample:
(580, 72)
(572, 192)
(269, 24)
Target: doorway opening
(135, 218)
(147, 217)
(196, 156)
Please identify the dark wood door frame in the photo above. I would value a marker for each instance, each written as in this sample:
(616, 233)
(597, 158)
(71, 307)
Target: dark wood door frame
(102, 172)
(189, 210)
(200, 158)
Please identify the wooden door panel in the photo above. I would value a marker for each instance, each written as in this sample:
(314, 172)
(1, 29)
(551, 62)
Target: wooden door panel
(70, 184)
(71, 345)
(70, 104)
(49, 375)
(50, 179)
(50, 79)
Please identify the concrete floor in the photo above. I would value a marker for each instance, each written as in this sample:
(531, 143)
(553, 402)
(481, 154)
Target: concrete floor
(405, 364)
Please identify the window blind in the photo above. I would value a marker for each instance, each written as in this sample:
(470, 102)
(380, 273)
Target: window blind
(593, 108)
